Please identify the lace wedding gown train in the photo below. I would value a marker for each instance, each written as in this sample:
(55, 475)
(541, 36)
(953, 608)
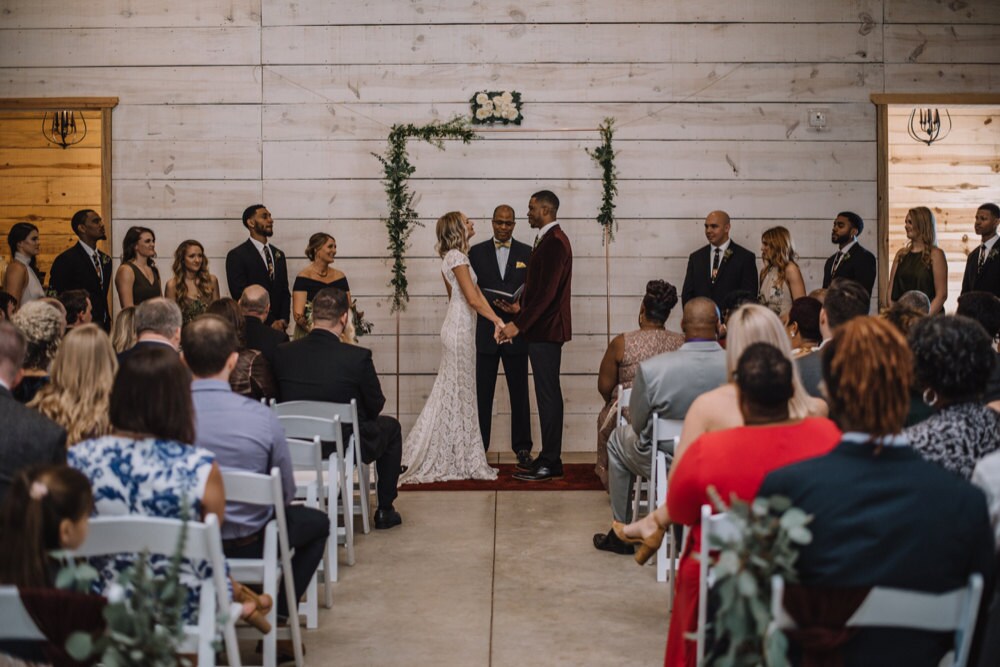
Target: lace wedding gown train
(445, 442)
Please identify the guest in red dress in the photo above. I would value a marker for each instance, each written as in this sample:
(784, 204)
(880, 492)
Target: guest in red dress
(734, 461)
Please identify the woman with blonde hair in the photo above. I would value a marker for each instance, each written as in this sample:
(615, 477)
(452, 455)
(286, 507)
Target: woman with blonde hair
(446, 442)
(321, 250)
(79, 387)
(719, 409)
(123, 330)
(781, 279)
(920, 264)
(192, 287)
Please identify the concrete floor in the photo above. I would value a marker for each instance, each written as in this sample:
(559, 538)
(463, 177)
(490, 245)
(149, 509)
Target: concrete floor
(483, 578)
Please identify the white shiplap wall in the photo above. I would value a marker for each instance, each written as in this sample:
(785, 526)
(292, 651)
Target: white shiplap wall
(229, 102)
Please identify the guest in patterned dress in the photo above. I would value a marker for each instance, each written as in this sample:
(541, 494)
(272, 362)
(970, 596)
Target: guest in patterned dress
(953, 358)
(623, 355)
(138, 279)
(192, 287)
(321, 250)
(780, 279)
(147, 465)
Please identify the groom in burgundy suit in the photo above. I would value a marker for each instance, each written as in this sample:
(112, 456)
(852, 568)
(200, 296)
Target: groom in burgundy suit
(543, 318)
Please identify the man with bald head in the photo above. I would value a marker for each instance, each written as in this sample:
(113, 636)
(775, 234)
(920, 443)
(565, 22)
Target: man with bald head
(721, 267)
(256, 305)
(501, 265)
(666, 385)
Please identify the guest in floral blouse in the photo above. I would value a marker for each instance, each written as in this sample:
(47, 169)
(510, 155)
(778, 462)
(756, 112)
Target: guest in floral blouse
(953, 358)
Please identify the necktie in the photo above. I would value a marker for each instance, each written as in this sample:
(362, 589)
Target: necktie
(501, 244)
(715, 264)
(537, 239)
(836, 262)
(97, 266)
(982, 256)
(269, 261)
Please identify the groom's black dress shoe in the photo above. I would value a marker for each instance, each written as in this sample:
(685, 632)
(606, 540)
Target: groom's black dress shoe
(542, 473)
(387, 518)
(524, 461)
(612, 543)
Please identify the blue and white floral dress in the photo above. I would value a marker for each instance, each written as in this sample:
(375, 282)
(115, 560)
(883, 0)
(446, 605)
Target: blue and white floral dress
(150, 477)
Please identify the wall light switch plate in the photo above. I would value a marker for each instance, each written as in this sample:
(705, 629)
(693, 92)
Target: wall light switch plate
(818, 118)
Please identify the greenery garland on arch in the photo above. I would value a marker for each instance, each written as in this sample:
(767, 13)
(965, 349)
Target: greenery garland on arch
(604, 156)
(397, 170)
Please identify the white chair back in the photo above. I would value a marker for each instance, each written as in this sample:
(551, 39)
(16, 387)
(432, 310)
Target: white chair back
(664, 430)
(134, 533)
(722, 527)
(624, 396)
(953, 611)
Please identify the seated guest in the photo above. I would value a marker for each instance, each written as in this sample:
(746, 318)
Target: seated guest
(819, 294)
(8, 306)
(802, 325)
(256, 304)
(252, 376)
(43, 327)
(882, 515)
(718, 409)
(123, 330)
(984, 308)
(845, 300)
(78, 308)
(28, 437)
(665, 385)
(952, 360)
(732, 462)
(78, 392)
(245, 435)
(149, 466)
(157, 324)
(732, 303)
(624, 354)
(911, 308)
(320, 367)
(920, 264)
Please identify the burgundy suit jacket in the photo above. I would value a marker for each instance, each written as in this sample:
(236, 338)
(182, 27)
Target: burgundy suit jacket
(545, 313)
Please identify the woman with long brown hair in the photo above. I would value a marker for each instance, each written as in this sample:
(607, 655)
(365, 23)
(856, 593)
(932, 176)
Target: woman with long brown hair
(137, 279)
(920, 264)
(319, 273)
(192, 287)
(781, 280)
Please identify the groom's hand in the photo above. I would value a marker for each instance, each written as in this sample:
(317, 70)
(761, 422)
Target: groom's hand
(509, 331)
(507, 307)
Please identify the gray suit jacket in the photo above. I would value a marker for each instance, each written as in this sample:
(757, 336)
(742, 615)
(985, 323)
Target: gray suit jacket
(668, 383)
(27, 438)
(811, 372)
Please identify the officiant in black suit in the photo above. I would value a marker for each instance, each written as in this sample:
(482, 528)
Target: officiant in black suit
(501, 263)
(851, 261)
(982, 268)
(721, 267)
(257, 262)
(85, 267)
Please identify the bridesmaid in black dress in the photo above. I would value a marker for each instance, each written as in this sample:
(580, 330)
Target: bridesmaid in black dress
(137, 278)
(318, 274)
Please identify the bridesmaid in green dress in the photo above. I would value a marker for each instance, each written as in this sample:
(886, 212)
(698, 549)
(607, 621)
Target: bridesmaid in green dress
(192, 287)
(321, 250)
(920, 265)
(137, 279)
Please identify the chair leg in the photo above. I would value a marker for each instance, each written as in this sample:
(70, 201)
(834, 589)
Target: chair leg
(364, 490)
(347, 495)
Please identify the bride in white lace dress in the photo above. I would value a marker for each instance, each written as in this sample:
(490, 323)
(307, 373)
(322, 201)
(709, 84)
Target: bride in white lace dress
(445, 443)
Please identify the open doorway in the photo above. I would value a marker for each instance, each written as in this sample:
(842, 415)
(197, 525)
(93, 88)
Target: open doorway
(952, 177)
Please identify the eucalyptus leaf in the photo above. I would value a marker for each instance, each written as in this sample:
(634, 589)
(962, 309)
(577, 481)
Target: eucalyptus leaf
(800, 535)
(79, 646)
(794, 518)
(747, 583)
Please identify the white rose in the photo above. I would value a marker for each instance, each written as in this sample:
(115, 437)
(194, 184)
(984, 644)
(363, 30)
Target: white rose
(115, 593)
(482, 113)
(506, 97)
(482, 98)
(498, 112)
(511, 114)
(488, 106)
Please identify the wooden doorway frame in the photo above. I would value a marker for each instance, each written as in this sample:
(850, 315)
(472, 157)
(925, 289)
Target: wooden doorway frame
(882, 102)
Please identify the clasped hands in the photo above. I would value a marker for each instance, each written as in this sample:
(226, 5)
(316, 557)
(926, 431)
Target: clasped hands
(504, 333)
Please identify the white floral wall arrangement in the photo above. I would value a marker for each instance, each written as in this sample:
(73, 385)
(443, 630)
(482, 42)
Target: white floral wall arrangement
(493, 106)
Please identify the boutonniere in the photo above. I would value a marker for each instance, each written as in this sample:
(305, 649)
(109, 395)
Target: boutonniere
(277, 254)
(520, 265)
(992, 254)
(726, 255)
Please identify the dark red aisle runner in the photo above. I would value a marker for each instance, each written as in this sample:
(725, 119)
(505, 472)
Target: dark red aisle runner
(578, 477)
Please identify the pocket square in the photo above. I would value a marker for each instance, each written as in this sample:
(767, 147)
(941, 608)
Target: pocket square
(520, 265)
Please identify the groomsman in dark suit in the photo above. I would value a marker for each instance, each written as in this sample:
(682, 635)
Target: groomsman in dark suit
(982, 268)
(257, 262)
(721, 267)
(85, 267)
(851, 261)
(501, 263)
(545, 321)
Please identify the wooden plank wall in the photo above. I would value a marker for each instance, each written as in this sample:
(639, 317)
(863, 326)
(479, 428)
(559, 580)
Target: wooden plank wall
(952, 177)
(44, 184)
(224, 103)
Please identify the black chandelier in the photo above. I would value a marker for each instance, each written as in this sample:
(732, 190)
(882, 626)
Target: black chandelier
(61, 128)
(927, 127)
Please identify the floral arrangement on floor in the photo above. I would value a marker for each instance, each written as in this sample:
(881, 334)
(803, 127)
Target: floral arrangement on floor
(491, 106)
(604, 156)
(397, 169)
(769, 534)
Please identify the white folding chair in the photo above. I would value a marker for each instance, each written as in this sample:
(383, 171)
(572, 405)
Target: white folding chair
(307, 465)
(275, 564)
(348, 413)
(721, 527)
(624, 395)
(664, 430)
(17, 623)
(134, 533)
(954, 611)
(308, 428)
